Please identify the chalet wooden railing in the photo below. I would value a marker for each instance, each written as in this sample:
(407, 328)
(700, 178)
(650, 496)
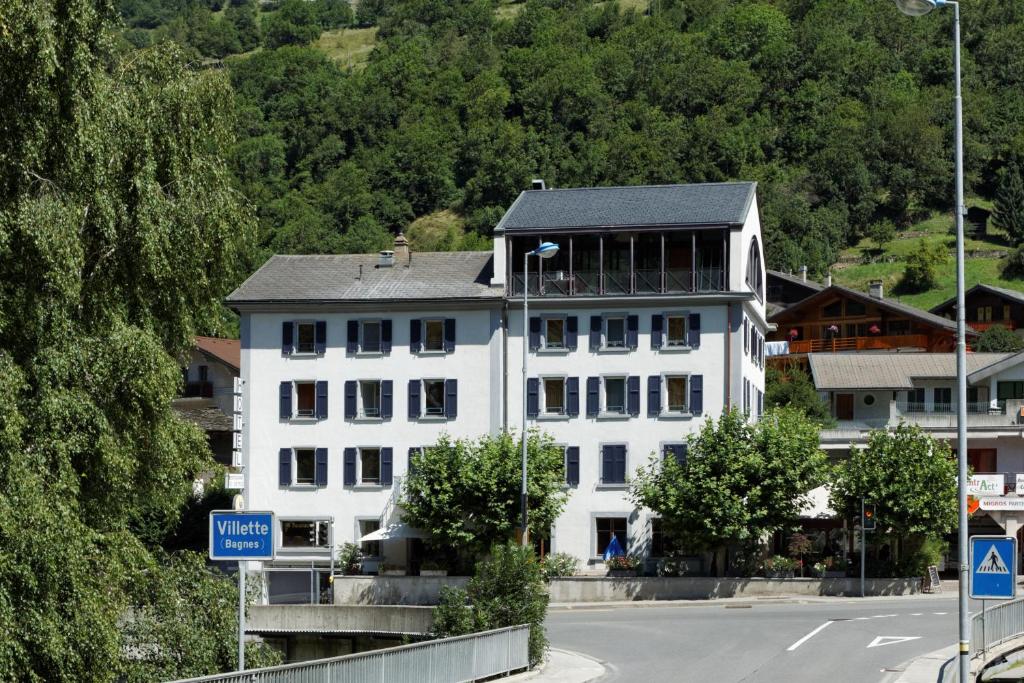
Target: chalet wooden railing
(859, 343)
(981, 327)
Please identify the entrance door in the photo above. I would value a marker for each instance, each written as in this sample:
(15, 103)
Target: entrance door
(844, 406)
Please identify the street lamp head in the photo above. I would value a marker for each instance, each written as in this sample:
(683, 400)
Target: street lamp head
(545, 250)
(917, 8)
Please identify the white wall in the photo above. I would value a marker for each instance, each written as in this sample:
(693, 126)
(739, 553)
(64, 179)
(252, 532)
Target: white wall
(219, 375)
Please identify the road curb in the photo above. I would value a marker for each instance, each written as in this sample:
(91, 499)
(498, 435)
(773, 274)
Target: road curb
(564, 666)
(738, 602)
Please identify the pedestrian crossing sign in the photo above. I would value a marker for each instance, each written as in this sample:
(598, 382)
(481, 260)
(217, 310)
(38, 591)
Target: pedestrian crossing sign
(993, 567)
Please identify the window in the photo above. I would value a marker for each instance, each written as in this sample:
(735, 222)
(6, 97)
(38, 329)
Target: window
(856, 308)
(433, 335)
(1009, 390)
(306, 337)
(675, 330)
(675, 388)
(984, 314)
(833, 310)
(606, 527)
(433, 396)
(613, 464)
(915, 400)
(204, 373)
(615, 333)
(369, 398)
(615, 395)
(554, 395)
(657, 538)
(305, 533)
(942, 398)
(305, 466)
(305, 399)
(369, 465)
(554, 333)
(370, 336)
(898, 327)
(369, 548)
(754, 279)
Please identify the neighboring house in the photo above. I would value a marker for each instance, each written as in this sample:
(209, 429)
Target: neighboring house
(207, 397)
(987, 306)
(784, 290)
(648, 320)
(841, 319)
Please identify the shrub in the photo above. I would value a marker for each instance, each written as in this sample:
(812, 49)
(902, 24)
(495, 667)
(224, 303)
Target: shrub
(623, 562)
(453, 615)
(559, 564)
(1013, 264)
(921, 271)
(919, 552)
(999, 339)
(350, 557)
(780, 563)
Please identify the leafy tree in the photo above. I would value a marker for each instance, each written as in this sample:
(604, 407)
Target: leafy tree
(792, 387)
(247, 29)
(1009, 204)
(466, 493)
(296, 22)
(508, 589)
(999, 339)
(368, 12)
(881, 233)
(921, 271)
(751, 479)
(366, 236)
(334, 13)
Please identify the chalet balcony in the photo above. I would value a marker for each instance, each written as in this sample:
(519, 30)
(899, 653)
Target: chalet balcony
(982, 326)
(873, 343)
(620, 283)
(198, 390)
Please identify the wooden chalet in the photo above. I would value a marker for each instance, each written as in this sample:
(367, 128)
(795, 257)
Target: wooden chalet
(987, 306)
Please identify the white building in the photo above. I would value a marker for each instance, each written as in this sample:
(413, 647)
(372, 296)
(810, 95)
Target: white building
(649, 319)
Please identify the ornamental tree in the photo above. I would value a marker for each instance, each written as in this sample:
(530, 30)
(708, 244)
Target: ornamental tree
(466, 493)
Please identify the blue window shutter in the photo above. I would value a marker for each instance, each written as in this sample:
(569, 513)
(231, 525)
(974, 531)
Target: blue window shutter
(287, 337)
(286, 400)
(694, 332)
(633, 395)
(534, 334)
(352, 345)
(350, 467)
(449, 335)
(696, 394)
(410, 467)
(571, 332)
(746, 337)
(657, 323)
(386, 399)
(321, 400)
(595, 333)
(284, 459)
(654, 395)
(572, 396)
(414, 399)
(415, 336)
(532, 397)
(607, 464)
(451, 398)
(320, 474)
(632, 331)
(320, 336)
(386, 466)
(572, 465)
(593, 396)
(677, 451)
(620, 464)
(385, 336)
(350, 399)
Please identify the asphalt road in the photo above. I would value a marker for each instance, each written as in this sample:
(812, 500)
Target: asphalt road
(759, 640)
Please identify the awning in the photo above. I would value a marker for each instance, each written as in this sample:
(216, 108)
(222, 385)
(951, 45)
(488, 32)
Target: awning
(776, 348)
(817, 505)
(393, 531)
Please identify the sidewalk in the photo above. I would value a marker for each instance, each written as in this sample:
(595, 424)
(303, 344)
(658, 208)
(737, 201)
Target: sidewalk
(563, 666)
(740, 603)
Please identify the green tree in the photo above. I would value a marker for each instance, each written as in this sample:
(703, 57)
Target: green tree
(881, 233)
(507, 589)
(369, 12)
(1000, 340)
(296, 22)
(365, 236)
(751, 479)
(792, 387)
(247, 29)
(334, 13)
(466, 493)
(921, 271)
(1009, 204)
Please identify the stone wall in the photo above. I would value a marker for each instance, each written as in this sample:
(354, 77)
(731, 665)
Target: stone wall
(392, 590)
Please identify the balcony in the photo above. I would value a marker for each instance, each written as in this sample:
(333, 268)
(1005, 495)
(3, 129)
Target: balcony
(900, 341)
(198, 390)
(620, 282)
(981, 327)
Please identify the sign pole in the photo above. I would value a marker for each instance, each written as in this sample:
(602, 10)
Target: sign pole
(241, 615)
(863, 547)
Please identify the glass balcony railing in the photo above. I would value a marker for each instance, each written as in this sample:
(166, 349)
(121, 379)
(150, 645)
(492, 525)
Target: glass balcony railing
(619, 282)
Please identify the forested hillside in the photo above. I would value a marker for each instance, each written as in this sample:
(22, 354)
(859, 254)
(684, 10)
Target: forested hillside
(842, 109)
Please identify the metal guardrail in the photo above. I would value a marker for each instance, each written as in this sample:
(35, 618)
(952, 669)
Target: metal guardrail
(997, 625)
(448, 660)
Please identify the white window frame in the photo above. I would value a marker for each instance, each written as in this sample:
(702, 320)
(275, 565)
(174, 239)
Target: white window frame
(360, 408)
(603, 408)
(359, 534)
(543, 397)
(295, 467)
(605, 346)
(306, 548)
(295, 400)
(667, 344)
(665, 411)
(359, 466)
(594, 516)
(296, 325)
(423, 335)
(544, 334)
(363, 351)
(444, 399)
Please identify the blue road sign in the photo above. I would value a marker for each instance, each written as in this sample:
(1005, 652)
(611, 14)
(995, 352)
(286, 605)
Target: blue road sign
(993, 567)
(237, 535)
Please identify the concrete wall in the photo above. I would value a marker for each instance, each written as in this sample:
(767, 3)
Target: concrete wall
(377, 619)
(603, 589)
(392, 590)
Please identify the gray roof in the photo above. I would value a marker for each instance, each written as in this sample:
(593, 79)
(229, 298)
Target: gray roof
(795, 279)
(338, 278)
(589, 207)
(888, 370)
(204, 413)
(1001, 291)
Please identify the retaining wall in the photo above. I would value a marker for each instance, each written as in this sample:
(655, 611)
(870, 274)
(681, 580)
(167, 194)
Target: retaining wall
(351, 619)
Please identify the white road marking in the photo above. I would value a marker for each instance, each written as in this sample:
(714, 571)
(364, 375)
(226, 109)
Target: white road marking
(808, 637)
(881, 641)
(916, 614)
(941, 614)
(862, 618)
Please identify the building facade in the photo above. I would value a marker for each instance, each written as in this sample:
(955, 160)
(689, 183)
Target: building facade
(207, 394)
(649, 320)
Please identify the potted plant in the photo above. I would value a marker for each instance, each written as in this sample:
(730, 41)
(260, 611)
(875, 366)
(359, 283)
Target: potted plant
(779, 567)
(558, 565)
(835, 567)
(387, 569)
(799, 545)
(433, 567)
(622, 565)
(350, 559)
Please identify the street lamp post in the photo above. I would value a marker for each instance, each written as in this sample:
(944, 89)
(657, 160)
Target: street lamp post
(917, 8)
(545, 250)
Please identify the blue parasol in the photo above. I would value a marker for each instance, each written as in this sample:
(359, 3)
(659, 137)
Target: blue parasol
(614, 549)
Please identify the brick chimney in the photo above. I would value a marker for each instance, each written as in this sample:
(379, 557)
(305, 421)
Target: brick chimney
(401, 250)
(875, 290)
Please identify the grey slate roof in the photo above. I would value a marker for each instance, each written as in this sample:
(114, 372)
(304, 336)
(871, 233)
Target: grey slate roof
(204, 413)
(588, 207)
(337, 278)
(1000, 291)
(795, 279)
(889, 371)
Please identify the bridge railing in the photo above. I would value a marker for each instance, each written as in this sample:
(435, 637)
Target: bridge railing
(448, 660)
(1003, 622)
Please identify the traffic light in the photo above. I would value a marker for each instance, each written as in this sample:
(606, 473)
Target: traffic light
(869, 517)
